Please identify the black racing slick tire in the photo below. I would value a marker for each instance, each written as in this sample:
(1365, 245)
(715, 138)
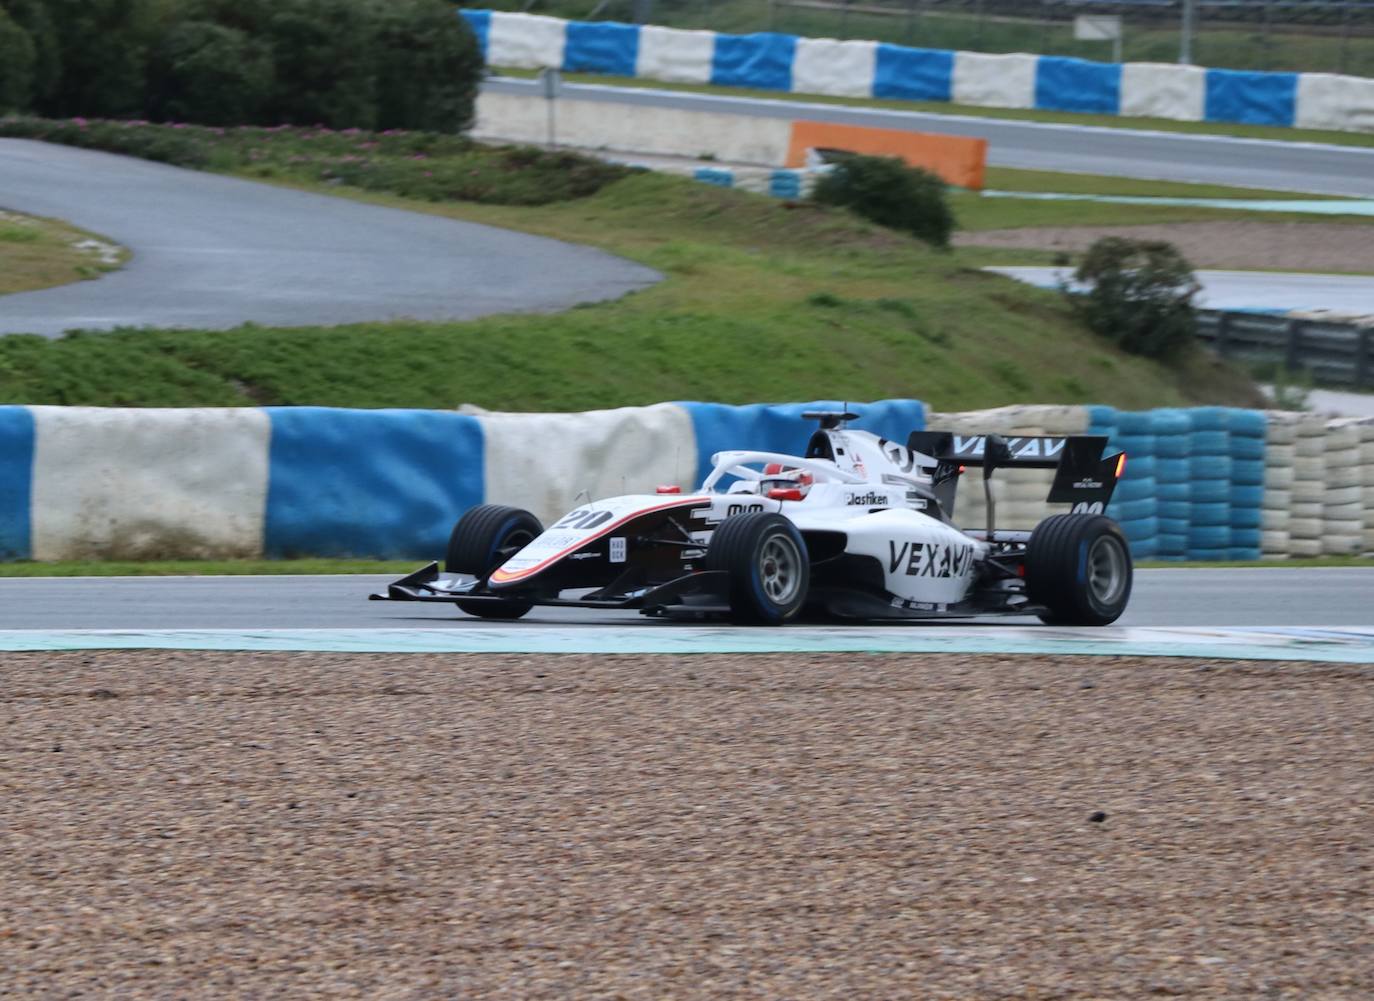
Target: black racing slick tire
(1078, 566)
(484, 538)
(768, 567)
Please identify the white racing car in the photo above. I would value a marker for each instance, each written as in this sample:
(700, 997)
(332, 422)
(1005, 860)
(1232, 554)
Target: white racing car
(859, 528)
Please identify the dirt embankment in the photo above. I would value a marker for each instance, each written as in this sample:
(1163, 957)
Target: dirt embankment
(216, 825)
(1295, 246)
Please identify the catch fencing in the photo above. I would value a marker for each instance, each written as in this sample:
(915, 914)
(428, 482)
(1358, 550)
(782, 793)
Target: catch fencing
(1334, 353)
(103, 483)
(826, 66)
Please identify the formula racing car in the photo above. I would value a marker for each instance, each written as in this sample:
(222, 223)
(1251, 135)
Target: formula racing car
(858, 527)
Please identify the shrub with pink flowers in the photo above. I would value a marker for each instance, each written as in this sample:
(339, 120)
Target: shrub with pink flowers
(425, 165)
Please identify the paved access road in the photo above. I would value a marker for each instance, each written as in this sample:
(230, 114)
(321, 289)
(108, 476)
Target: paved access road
(1184, 597)
(1169, 156)
(212, 252)
(1256, 290)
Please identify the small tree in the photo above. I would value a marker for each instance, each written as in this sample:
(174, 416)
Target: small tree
(1138, 293)
(886, 191)
(103, 49)
(16, 65)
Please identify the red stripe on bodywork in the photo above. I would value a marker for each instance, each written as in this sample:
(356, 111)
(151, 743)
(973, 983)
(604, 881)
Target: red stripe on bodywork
(500, 576)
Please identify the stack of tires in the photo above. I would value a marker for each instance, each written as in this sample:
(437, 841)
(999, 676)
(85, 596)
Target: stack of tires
(1367, 484)
(969, 509)
(1343, 501)
(1173, 482)
(1308, 502)
(1020, 494)
(1026, 490)
(1247, 428)
(1209, 467)
(1281, 431)
(1134, 504)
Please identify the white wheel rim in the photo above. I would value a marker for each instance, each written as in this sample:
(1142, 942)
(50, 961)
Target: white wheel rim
(780, 569)
(1106, 570)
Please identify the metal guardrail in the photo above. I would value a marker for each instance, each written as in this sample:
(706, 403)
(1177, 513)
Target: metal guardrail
(1340, 354)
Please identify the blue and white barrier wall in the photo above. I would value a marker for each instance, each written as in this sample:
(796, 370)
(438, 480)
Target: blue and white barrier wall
(825, 66)
(93, 483)
(88, 482)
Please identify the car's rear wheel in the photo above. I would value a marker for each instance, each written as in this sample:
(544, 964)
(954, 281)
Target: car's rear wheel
(484, 538)
(1078, 566)
(769, 570)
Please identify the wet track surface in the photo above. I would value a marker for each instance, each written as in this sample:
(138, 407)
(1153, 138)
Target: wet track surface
(1208, 598)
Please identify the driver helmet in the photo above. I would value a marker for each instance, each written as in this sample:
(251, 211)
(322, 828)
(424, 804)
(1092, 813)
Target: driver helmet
(778, 477)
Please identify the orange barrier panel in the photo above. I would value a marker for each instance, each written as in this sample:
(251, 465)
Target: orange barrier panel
(957, 159)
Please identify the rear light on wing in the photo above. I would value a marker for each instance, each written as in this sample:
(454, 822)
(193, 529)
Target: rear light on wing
(668, 489)
(1120, 465)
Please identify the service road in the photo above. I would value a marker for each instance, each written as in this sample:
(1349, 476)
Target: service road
(212, 252)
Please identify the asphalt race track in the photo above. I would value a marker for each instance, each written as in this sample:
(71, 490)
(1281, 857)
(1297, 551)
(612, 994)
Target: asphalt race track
(1167, 156)
(212, 252)
(1183, 597)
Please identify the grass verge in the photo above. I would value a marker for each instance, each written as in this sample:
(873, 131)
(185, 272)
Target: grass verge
(41, 253)
(763, 300)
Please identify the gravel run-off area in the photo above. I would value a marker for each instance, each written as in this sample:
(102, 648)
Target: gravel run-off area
(197, 825)
(1239, 245)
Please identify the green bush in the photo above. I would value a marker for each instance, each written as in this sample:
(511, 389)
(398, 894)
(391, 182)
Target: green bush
(209, 73)
(103, 57)
(428, 66)
(888, 192)
(17, 59)
(391, 64)
(34, 18)
(1138, 293)
(325, 71)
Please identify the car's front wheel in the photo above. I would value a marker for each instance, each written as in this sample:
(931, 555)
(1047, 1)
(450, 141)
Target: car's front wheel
(768, 567)
(484, 538)
(1078, 567)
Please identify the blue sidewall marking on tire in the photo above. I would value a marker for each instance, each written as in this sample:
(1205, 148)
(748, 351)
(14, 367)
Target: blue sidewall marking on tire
(500, 536)
(1082, 561)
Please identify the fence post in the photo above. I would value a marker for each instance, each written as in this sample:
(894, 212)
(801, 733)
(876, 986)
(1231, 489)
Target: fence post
(1290, 361)
(1185, 34)
(1223, 324)
(1364, 347)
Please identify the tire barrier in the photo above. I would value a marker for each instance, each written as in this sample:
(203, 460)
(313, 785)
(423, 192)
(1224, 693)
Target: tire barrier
(1342, 500)
(825, 66)
(1281, 435)
(101, 483)
(1019, 494)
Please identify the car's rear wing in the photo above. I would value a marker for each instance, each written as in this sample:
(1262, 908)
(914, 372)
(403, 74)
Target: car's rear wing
(1083, 477)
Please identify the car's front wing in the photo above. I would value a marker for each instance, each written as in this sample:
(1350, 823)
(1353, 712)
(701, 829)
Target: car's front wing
(702, 592)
